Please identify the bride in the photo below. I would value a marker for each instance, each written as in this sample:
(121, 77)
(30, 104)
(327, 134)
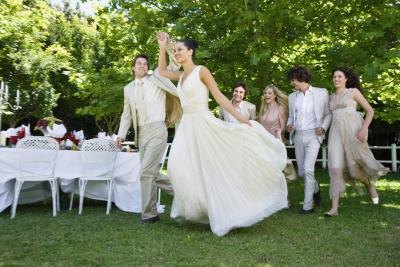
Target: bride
(225, 175)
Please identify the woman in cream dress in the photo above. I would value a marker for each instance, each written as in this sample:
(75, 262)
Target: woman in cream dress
(349, 157)
(225, 175)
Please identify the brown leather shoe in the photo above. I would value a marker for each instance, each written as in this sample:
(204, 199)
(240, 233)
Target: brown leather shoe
(150, 220)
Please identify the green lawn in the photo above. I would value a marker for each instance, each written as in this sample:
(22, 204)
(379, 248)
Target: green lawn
(363, 235)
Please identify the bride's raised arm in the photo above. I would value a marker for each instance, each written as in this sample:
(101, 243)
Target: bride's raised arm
(207, 78)
(163, 41)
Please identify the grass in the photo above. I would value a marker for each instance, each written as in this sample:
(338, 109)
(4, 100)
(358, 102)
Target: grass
(363, 235)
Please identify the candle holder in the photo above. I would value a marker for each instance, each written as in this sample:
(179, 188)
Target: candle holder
(4, 101)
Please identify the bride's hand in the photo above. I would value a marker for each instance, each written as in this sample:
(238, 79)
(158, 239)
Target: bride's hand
(245, 122)
(162, 39)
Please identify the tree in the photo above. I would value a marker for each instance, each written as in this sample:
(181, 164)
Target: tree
(76, 66)
(103, 81)
(258, 41)
(26, 60)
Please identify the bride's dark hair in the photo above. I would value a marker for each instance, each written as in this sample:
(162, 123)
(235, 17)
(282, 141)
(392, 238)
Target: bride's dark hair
(190, 44)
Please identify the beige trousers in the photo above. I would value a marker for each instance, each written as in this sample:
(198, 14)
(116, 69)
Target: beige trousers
(152, 144)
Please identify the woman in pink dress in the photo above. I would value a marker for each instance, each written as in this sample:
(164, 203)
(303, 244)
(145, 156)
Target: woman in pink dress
(274, 111)
(349, 156)
(273, 116)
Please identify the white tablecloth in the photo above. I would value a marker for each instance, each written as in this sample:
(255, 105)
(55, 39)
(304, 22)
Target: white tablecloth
(126, 195)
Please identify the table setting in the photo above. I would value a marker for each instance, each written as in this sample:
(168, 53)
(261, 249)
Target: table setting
(126, 194)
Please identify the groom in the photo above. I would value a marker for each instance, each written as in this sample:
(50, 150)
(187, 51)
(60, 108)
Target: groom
(149, 105)
(308, 121)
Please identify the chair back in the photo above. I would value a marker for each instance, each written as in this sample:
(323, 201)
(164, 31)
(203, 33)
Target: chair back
(98, 158)
(37, 156)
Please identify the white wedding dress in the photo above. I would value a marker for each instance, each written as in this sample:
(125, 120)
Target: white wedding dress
(227, 175)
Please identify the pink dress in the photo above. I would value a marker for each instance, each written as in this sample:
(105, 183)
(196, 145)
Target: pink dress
(271, 121)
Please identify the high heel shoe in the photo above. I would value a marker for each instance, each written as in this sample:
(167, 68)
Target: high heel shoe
(372, 192)
(330, 214)
(375, 200)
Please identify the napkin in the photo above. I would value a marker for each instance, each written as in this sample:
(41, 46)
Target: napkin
(57, 131)
(11, 132)
(101, 135)
(79, 135)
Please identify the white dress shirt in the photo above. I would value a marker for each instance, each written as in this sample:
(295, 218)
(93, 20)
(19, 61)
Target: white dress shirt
(150, 102)
(232, 119)
(304, 108)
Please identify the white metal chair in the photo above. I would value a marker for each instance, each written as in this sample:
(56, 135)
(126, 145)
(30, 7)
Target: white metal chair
(36, 167)
(162, 162)
(98, 162)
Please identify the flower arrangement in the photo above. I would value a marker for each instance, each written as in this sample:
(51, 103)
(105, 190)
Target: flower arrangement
(47, 122)
(51, 126)
(54, 127)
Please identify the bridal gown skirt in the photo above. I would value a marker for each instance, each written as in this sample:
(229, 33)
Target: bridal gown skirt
(225, 175)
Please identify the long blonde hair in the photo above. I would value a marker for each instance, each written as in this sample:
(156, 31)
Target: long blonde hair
(281, 99)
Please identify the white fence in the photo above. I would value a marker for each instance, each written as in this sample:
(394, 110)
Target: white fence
(393, 152)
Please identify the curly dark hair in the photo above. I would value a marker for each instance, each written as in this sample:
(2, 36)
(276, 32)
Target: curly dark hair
(353, 80)
(299, 73)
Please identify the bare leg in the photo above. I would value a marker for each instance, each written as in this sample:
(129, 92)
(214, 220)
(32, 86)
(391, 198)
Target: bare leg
(335, 206)
(372, 192)
(336, 187)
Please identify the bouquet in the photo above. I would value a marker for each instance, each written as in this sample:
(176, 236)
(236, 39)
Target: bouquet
(47, 121)
(51, 126)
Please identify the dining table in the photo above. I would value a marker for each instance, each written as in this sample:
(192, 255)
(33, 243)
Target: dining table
(68, 168)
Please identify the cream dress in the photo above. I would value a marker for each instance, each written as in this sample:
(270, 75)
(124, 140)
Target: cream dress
(348, 158)
(223, 174)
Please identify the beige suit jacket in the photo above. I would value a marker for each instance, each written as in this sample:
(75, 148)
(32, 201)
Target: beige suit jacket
(173, 107)
(248, 110)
